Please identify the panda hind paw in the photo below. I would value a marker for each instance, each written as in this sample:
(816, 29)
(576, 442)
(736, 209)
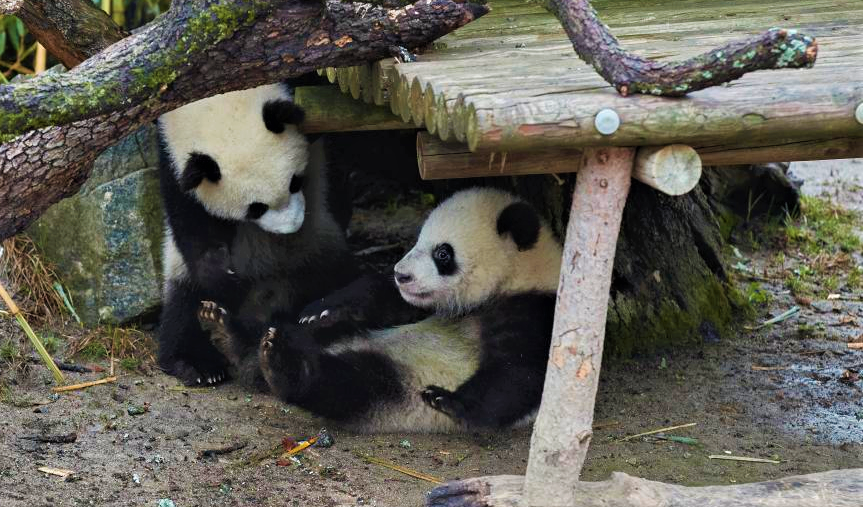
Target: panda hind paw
(442, 400)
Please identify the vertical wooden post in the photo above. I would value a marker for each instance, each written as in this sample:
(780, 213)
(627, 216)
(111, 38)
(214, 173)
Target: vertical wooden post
(564, 424)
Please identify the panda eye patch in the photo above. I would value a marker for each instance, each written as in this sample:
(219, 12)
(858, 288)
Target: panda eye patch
(256, 210)
(444, 259)
(297, 183)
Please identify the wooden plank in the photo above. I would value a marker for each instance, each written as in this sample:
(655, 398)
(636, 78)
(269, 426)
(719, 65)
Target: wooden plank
(440, 160)
(329, 110)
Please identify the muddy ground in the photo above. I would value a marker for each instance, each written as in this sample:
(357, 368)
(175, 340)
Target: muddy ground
(785, 392)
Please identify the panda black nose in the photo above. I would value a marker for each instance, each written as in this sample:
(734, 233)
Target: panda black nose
(403, 278)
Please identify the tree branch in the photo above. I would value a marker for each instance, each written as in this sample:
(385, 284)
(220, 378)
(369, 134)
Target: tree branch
(209, 38)
(629, 73)
(71, 30)
(44, 166)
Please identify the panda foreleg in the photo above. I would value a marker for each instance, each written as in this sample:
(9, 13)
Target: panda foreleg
(185, 350)
(497, 395)
(369, 302)
(341, 386)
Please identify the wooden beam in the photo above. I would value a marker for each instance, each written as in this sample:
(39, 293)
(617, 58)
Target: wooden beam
(838, 488)
(563, 427)
(674, 170)
(330, 110)
(440, 160)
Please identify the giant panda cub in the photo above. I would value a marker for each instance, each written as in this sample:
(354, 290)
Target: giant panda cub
(247, 223)
(457, 337)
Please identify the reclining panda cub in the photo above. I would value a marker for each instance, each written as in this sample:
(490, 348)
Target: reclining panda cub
(458, 337)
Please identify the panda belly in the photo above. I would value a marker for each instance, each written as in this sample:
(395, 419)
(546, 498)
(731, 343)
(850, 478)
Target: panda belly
(434, 351)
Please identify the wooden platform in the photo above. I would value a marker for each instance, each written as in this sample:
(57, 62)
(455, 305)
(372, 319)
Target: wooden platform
(511, 80)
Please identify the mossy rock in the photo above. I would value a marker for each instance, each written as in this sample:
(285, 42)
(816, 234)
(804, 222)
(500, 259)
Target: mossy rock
(106, 240)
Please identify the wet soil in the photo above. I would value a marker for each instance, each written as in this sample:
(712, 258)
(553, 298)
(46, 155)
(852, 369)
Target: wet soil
(786, 392)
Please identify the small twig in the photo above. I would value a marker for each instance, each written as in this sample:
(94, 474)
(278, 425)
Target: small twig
(743, 458)
(299, 447)
(70, 367)
(59, 472)
(68, 438)
(37, 344)
(855, 345)
(377, 249)
(679, 440)
(768, 368)
(405, 470)
(216, 451)
(794, 310)
(660, 430)
(83, 385)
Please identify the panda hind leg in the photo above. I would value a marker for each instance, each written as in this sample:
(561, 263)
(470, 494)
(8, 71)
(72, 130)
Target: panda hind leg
(343, 387)
(495, 396)
(185, 350)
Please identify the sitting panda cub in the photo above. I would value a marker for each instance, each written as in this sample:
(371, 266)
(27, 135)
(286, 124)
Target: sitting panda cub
(457, 338)
(248, 223)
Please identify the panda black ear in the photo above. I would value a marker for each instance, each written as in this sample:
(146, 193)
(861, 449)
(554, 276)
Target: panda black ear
(521, 222)
(278, 113)
(199, 167)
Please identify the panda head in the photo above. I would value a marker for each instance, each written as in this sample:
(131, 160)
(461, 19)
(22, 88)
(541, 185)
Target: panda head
(478, 244)
(241, 156)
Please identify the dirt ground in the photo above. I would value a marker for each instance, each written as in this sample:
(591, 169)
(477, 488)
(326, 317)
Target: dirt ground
(786, 392)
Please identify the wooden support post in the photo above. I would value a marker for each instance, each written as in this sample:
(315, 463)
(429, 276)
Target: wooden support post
(564, 424)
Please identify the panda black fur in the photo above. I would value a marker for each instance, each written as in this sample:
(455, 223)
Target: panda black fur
(247, 223)
(459, 339)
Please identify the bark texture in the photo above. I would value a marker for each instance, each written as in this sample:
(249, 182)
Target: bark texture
(294, 37)
(837, 488)
(628, 73)
(562, 430)
(205, 47)
(71, 30)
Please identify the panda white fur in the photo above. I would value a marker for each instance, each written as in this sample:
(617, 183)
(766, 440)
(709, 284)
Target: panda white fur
(370, 357)
(247, 222)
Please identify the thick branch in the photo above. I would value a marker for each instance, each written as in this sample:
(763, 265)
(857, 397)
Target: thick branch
(216, 39)
(71, 30)
(629, 73)
(44, 166)
(837, 488)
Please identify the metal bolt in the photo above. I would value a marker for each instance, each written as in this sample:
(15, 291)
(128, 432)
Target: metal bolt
(603, 183)
(859, 113)
(607, 122)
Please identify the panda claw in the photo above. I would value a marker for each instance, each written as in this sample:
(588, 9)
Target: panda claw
(198, 380)
(312, 319)
(325, 314)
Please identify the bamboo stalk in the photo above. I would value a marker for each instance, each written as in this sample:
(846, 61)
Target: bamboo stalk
(37, 344)
(40, 61)
(84, 385)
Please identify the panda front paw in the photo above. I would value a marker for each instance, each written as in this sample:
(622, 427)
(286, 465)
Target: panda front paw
(211, 313)
(442, 400)
(325, 312)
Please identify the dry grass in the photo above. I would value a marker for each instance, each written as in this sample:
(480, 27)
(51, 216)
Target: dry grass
(32, 280)
(129, 345)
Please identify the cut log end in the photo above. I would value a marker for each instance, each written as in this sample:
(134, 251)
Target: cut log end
(674, 169)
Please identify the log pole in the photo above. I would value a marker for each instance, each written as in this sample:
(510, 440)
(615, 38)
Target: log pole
(673, 169)
(563, 426)
(837, 488)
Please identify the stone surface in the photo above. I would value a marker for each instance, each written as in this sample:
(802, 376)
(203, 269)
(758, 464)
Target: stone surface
(106, 240)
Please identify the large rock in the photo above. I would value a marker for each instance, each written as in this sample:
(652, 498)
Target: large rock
(106, 240)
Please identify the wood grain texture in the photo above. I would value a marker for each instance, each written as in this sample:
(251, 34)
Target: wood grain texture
(43, 166)
(71, 30)
(511, 82)
(837, 488)
(563, 427)
(674, 169)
